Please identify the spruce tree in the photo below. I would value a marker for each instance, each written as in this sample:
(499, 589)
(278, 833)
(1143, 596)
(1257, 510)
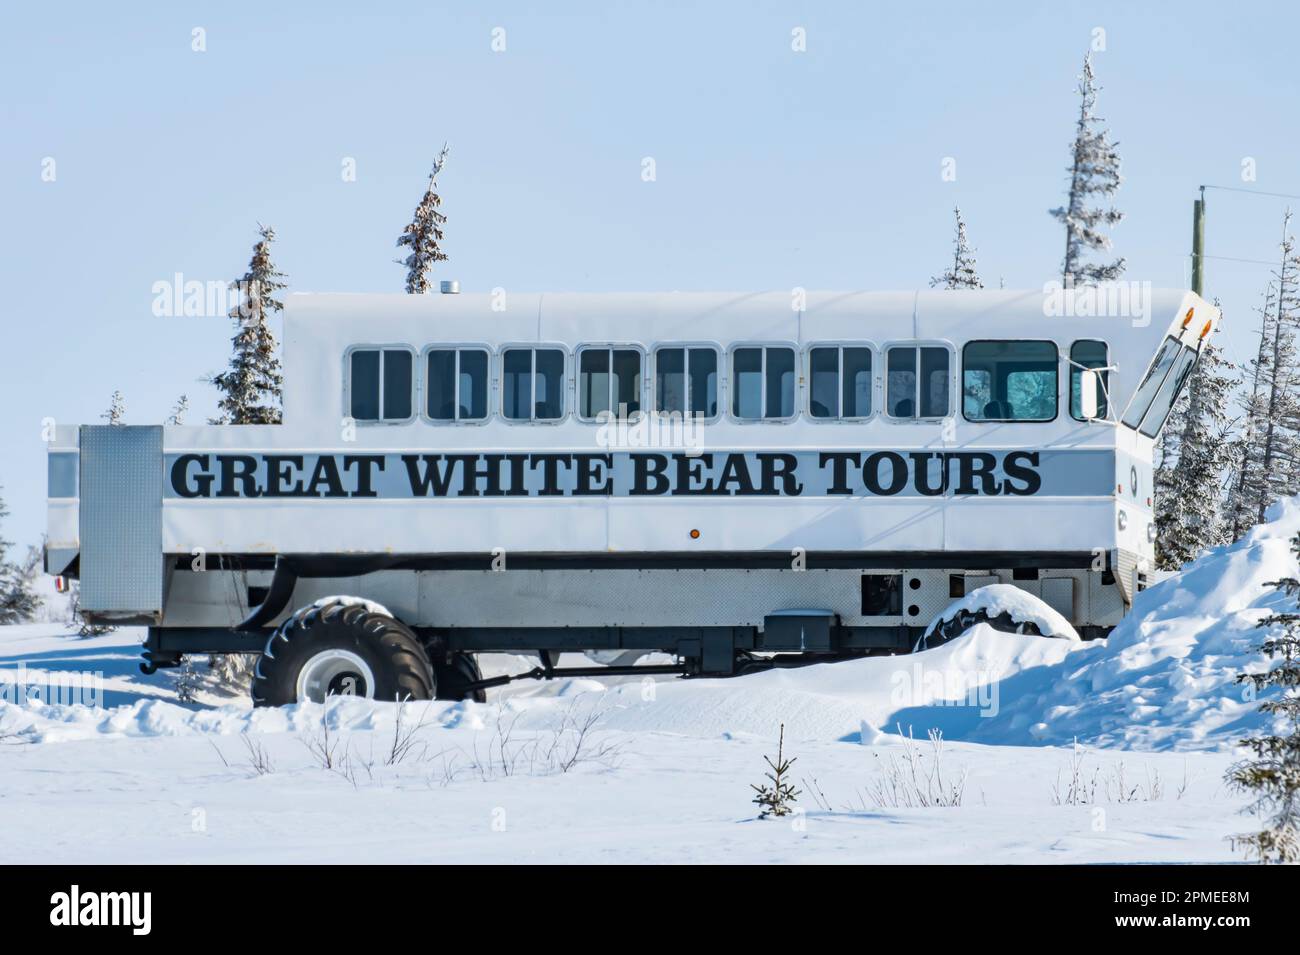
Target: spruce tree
(1094, 173)
(1194, 460)
(1266, 455)
(116, 413)
(18, 599)
(251, 386)
(179, 410)
(961, 274)
(1272, 774)
(423, 234)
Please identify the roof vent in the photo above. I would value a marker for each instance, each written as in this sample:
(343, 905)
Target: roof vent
(450, 288)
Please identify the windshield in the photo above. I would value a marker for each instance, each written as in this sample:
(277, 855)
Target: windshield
(1169, 392)
(1146, 392)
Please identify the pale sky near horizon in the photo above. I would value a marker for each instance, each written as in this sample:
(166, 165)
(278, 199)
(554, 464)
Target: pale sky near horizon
(775, 168)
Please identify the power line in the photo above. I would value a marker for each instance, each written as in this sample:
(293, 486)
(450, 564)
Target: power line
(1254, 192)
(1224, 258)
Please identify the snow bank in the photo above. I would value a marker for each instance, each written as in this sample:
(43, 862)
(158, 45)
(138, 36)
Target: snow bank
(1166, 678)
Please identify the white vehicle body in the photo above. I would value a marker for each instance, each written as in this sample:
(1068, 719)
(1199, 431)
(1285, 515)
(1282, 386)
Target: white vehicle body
(486, 532)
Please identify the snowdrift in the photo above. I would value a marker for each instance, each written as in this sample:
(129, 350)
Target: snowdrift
(1165, 680)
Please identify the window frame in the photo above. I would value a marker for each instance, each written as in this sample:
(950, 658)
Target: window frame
(610, 348)
(652, 378)
(1056, 370)
(876, 402)
(731, 381)
(1104, 370)
(424, 382)
(1177, 392)
(918, 344)
(566, 382)
(1148, 371)
(347, 383)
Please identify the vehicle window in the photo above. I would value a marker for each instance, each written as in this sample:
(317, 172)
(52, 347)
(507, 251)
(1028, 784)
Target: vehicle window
(763, 382)
(609, 382)
(1089, 354)
(686, 381)
(1009, 381)
(456, 383)
(1155, 377)
(1169, 392)
(380, 384)
(916, 379)
(839, 381)
(532, 384)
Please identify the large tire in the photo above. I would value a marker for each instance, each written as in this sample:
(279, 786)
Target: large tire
(454, 677)
(342, 648)
(965, 620)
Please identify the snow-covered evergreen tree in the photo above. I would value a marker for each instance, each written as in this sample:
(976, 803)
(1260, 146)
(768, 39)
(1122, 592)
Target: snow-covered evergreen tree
(1272, 776)
(116, 413)
(1266, 454)
(1094, 174)
(187, 681)
(961, 274)
(177, 417)
(424, 233)
(251, 386)
(1195, 456)
(18, 598)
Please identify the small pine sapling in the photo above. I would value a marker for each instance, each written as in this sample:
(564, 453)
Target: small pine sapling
(777, 795)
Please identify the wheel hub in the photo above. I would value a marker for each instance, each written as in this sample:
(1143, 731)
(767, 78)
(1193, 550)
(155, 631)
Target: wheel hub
(335, 673)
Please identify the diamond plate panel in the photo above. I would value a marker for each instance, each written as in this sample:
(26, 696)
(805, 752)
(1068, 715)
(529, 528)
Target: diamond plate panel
(121, 520)
(632, 598)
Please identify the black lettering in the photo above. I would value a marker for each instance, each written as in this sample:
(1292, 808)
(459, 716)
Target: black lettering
(550, 472)
(735, 470)
(921, 473)
(326, 472)
(279, 471)
(1027, 473)
(647, 468)
(471, 473)
(517, 486)
(871, 473)
(972, 465)
(839, 461)
(691, 478)
(191, 485)
(592, 472)
(432, 477)
(366, 464)
(780, 466)
(240, 468)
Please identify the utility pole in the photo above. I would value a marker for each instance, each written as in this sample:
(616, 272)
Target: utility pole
(1198, 244)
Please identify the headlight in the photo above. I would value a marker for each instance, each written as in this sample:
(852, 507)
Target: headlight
(1123, 520)
(1151, 533)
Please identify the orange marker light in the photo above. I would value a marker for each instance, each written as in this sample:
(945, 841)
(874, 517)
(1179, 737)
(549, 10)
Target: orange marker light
(1187, 319)
(1206, 330)
(695, 534)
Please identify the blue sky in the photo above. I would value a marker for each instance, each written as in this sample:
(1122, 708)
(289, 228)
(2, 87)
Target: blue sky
(774, 168)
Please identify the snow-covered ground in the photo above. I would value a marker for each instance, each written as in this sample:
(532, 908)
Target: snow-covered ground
(1060, 751)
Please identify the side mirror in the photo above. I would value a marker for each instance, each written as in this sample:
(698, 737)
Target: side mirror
(1089, 385)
